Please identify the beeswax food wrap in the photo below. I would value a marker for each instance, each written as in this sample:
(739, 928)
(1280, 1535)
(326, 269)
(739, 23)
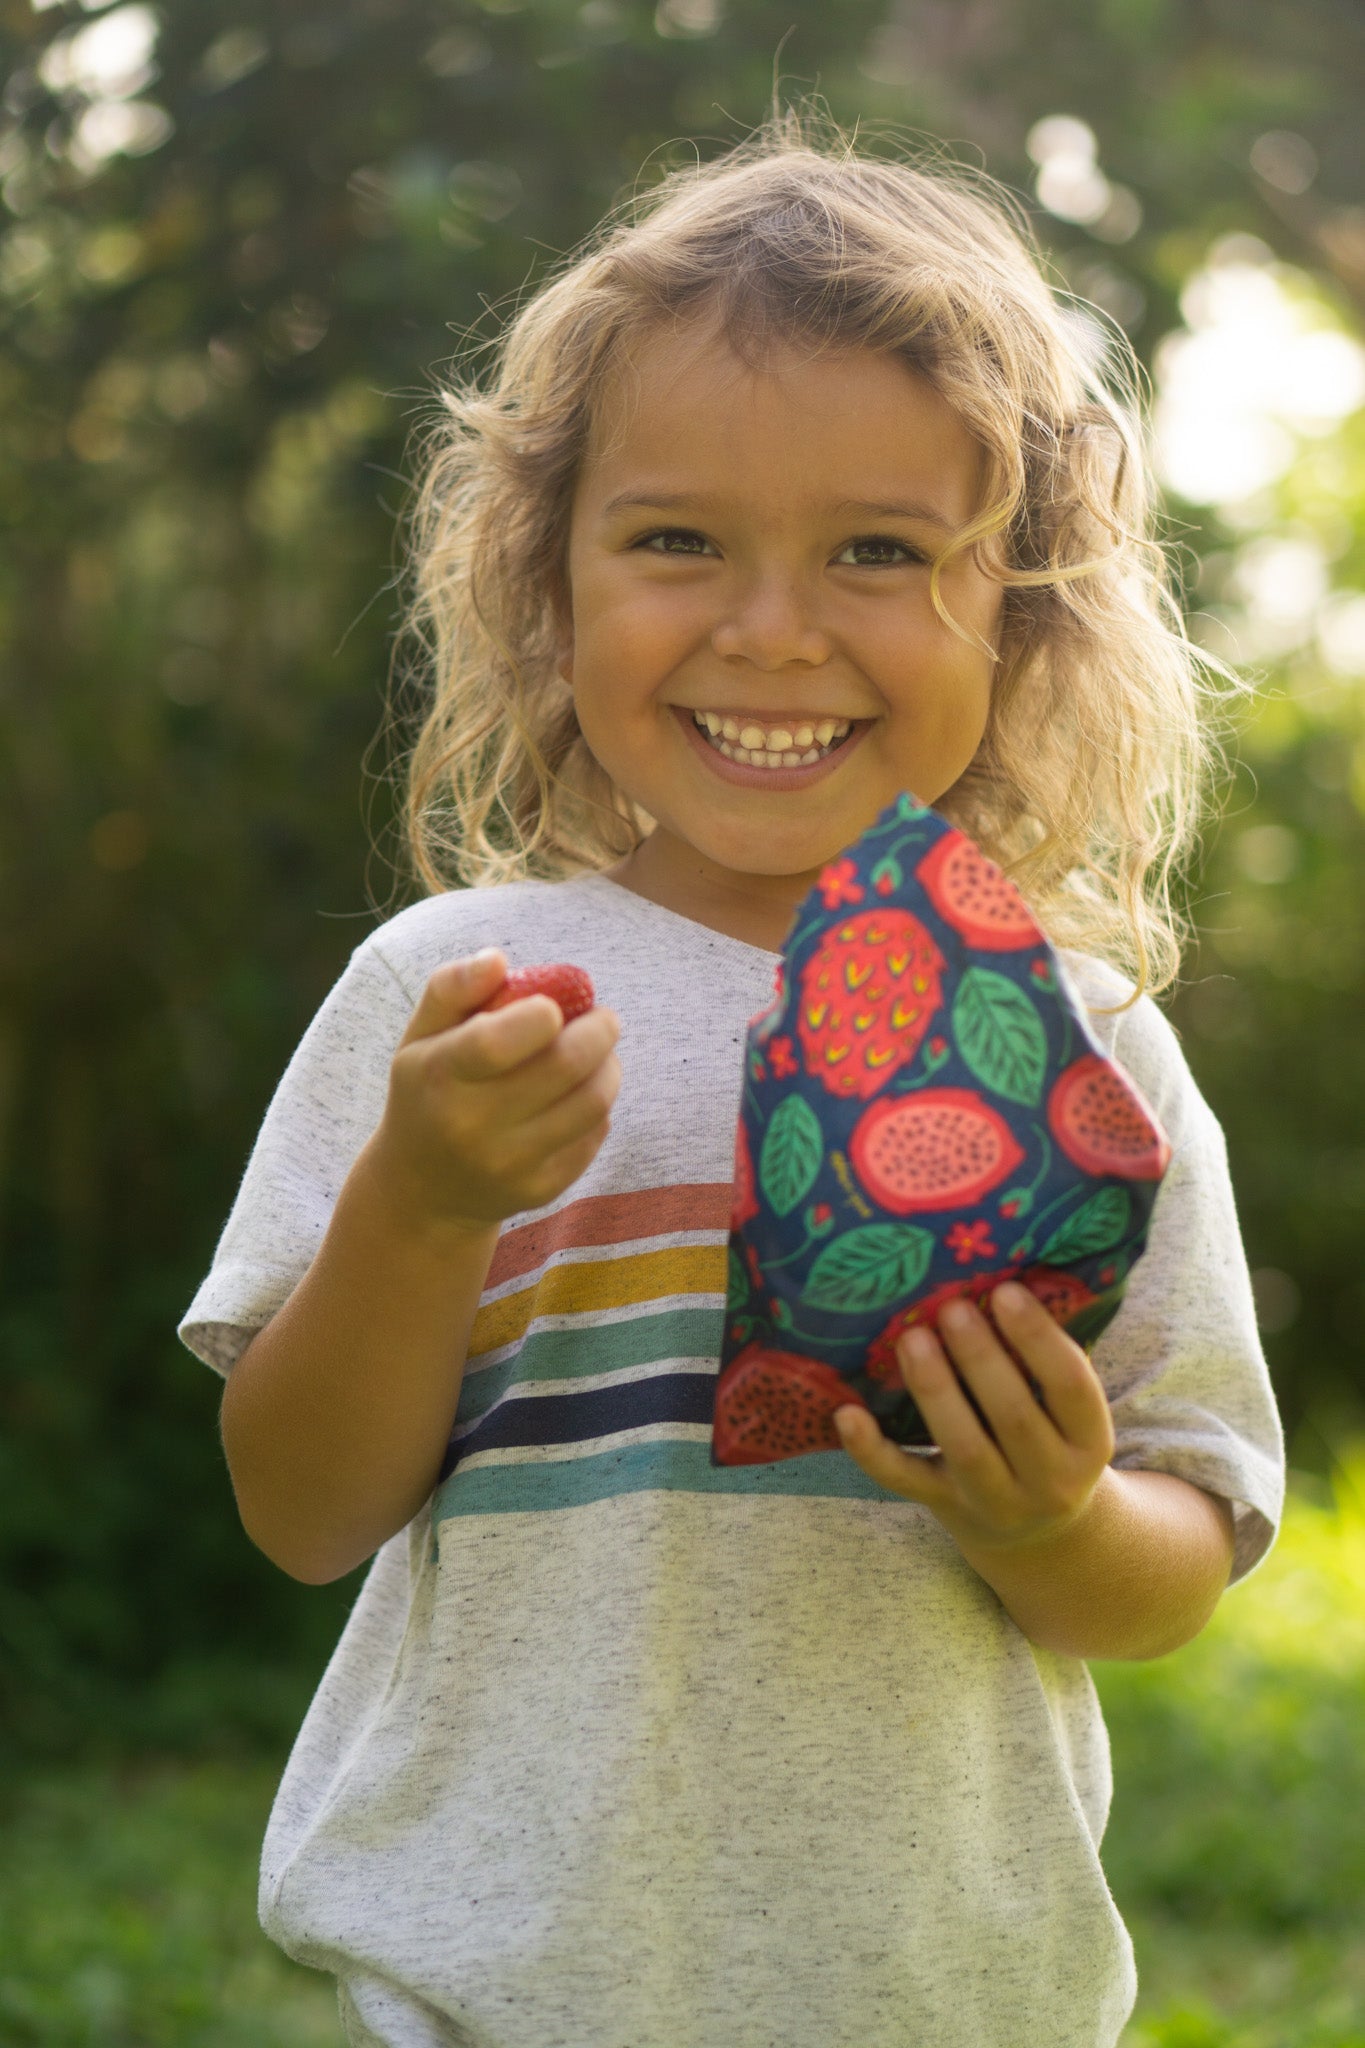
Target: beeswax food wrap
(925, 1113)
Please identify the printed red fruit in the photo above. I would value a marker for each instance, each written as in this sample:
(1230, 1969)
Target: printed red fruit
(941, 1149)
(569, 986)
(976, 897)
(868, 992)
(776, 1404)
(1102, 1123)
(745, 1201)
(1062, 1294)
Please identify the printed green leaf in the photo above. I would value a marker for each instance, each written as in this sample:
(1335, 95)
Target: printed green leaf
(1095, 1226)
(1000, 1036)
(869, 1269)
(738, 1292)
(792, 1150)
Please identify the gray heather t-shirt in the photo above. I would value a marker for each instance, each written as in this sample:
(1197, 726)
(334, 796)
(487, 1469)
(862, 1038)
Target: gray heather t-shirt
(622, 1750)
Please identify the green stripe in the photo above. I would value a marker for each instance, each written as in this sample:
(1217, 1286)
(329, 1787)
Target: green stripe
(640, 1468)
(581, 1352)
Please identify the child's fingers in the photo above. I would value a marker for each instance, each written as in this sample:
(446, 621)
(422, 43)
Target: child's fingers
(564, 1166)
(455, 991)
(913, 1477)
(969, 1447)
(995, 1380)
(529, 1033)
(529, 1049)
(571, 1117)
(1070, 1386)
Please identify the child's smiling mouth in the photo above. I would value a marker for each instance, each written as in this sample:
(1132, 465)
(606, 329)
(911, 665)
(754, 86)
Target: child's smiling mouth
(827, 739)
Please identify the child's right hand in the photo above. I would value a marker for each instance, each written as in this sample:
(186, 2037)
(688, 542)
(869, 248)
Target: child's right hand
(493, 1113)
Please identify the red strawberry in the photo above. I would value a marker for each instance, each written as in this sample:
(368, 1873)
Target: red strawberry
(569, 986)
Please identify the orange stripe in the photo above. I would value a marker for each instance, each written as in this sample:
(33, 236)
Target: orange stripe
(611, 1219)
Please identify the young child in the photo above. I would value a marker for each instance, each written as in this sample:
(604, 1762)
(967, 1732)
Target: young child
(798, 490)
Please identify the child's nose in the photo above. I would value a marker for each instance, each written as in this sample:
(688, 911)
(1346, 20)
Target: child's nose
(771, 623)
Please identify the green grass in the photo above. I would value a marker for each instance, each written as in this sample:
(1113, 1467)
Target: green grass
(1235, 1848)
(128, 1899)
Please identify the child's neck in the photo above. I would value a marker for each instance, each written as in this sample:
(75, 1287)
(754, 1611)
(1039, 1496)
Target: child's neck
(755, 909)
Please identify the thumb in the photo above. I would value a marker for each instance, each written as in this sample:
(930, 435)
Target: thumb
(455, 991)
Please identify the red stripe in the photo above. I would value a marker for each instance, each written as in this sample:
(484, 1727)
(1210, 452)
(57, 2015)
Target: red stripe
(609, 1220)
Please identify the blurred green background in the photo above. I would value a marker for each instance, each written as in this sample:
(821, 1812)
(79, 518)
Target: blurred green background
(238, 245)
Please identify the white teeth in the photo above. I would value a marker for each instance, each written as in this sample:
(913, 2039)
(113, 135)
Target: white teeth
(780, 743)
(753, 748)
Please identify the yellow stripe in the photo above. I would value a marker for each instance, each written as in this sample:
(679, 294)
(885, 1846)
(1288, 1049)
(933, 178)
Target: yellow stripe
(589, 1284)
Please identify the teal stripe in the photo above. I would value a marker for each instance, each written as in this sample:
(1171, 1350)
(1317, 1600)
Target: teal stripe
(645, 1468)
(582, 1352)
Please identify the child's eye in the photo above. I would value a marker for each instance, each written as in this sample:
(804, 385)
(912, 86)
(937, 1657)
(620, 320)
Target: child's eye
(878, 551)
(673, 540)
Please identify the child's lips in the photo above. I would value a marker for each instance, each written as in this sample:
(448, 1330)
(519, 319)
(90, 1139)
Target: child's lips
(769, 778)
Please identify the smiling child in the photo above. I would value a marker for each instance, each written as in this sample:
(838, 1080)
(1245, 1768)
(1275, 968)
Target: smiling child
(798, 490)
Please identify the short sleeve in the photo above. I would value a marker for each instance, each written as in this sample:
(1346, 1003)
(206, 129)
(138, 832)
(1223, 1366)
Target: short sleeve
(1182, 1363)
(328, 1102)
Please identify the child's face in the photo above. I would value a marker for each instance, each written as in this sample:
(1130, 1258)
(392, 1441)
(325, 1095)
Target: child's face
(756, 545)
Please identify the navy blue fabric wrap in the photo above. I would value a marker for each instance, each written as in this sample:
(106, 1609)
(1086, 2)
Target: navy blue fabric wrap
(925, 1114)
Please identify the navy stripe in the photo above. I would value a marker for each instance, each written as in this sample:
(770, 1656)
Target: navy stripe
(649, 1339)
(599, 1411)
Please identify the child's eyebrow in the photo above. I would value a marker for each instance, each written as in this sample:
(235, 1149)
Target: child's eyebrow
(868, 510)
(672, 501)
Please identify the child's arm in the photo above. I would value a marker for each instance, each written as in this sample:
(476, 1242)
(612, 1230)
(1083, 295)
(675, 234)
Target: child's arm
(1088, 1560)
(1136, 1575)
(337, 1415)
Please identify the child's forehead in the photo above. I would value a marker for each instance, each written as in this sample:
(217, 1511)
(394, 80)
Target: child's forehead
(661, 365)
(678, 395)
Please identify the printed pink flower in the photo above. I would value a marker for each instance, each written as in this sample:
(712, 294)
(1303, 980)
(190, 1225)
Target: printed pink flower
(970, 1241)
(821, 1213)
(937, 1047)
(782, 1057)
(837, 884)
(884, 884)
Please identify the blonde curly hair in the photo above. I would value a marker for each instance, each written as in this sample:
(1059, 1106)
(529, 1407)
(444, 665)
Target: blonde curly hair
(1091, 777)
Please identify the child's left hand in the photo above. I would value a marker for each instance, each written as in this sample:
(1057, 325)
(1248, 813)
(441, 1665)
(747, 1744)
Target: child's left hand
(1035, 1470)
